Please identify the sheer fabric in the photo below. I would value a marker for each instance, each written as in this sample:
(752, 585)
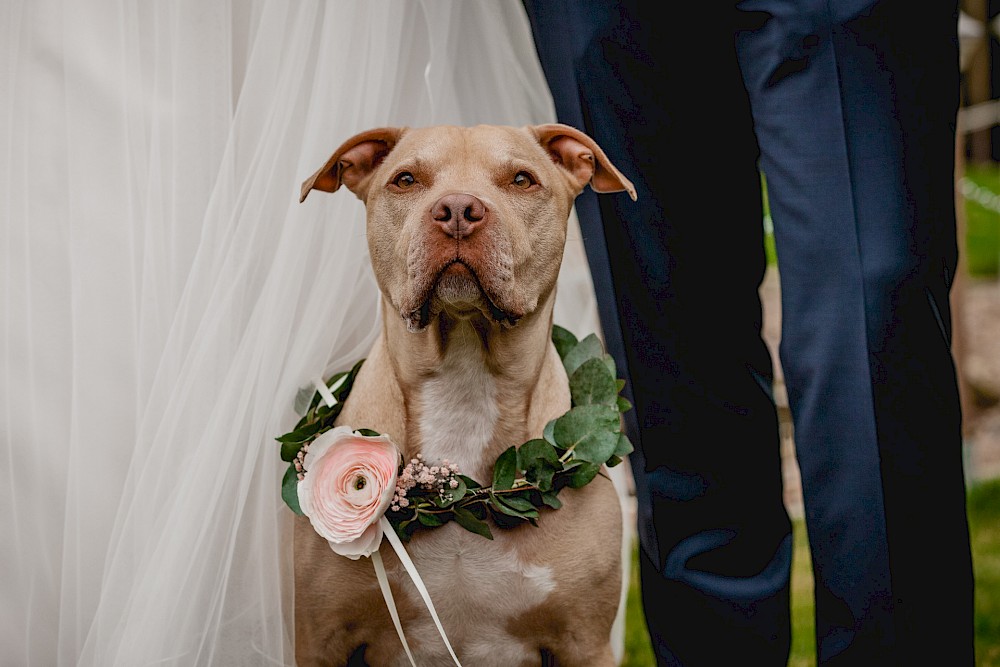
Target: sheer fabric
(165, 296)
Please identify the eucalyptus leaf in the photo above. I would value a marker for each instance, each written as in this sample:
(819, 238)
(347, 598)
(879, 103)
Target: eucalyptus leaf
(552, 500)
(548, 433)
(289, 450)
(588, 348)
(505, 469)
(504, 509)
(530, 453)
(300, 434)
(290, 490)
(539, 461)
(303, 400)
(623, 404)
(609, 361)
(624, 446)
(367, 432)
(563, 339)
(613, 461)
(430, 520)
(469, 482)
(524, 514)
(506, 519)
(506, 506)
(541, 477)
(517, 502)
(583, 474)
(468, 520)
(593, 384)
(589, 431)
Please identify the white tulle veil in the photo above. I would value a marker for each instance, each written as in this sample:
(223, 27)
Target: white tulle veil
(164, 294)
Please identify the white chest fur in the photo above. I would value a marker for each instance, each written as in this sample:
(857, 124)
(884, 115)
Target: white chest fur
(457, 411)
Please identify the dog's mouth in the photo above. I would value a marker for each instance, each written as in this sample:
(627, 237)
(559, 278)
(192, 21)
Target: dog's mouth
(458, 289)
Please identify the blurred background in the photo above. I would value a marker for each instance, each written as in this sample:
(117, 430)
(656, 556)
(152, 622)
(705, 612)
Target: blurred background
(977, 297)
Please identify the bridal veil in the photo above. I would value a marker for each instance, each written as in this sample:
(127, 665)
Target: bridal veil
(165, 296)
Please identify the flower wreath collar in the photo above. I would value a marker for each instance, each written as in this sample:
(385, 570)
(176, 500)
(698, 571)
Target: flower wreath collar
(423, 494)
(355, 487)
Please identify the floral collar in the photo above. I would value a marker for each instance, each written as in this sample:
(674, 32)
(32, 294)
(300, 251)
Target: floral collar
(422, 494)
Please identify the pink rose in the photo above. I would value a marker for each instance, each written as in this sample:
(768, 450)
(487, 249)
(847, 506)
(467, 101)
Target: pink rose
(349, 482)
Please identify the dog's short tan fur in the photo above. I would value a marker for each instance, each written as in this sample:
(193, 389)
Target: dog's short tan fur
(466, 230)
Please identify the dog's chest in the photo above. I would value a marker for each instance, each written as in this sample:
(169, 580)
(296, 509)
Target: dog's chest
(477, 586)
(457, 411)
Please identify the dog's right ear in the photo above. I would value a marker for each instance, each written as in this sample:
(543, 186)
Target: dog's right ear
(353, 163)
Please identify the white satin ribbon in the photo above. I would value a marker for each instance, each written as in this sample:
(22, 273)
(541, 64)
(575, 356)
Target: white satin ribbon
(383, 583)
(325, 392)
(404, 558)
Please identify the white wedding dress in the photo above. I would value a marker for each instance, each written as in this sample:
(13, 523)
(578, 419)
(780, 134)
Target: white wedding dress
(164, 295)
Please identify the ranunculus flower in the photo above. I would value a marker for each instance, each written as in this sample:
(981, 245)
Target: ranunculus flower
(348, 484)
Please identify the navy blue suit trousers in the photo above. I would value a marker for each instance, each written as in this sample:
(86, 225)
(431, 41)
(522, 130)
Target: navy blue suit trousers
(848, 109)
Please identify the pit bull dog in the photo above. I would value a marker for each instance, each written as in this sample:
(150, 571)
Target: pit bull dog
(466, 228)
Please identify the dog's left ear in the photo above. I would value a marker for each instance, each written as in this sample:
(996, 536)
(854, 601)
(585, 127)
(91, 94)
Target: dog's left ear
(353, 163)
(582, 157)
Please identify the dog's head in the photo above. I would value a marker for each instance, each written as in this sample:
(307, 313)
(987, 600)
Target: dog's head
(467, 220)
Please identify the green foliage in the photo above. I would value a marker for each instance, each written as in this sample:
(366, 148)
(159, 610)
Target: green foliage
(984, 525)
(289, 490)
(981, 246)
(505, 470)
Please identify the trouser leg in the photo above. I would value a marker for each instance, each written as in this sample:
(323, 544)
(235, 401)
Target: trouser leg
(685, 262)
(855, 118)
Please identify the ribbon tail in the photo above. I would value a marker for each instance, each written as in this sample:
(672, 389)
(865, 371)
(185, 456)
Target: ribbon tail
(383, 583)
(325, 392)
(411, 569)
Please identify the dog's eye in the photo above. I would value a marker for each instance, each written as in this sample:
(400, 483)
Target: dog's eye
(404, 179)
(523, 180)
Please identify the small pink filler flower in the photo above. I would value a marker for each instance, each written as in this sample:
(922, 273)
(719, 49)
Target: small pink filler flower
(349, 482)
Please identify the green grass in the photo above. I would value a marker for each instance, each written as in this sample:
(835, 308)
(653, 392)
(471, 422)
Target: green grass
(981, 246)
(982, 223)
(984, 522)
(803, 625)
(638, 652)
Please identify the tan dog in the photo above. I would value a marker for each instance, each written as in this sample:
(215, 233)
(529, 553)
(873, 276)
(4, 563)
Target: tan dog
(466, 230)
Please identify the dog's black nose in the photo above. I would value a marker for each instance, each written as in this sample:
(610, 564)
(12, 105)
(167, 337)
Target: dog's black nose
(459, 214)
